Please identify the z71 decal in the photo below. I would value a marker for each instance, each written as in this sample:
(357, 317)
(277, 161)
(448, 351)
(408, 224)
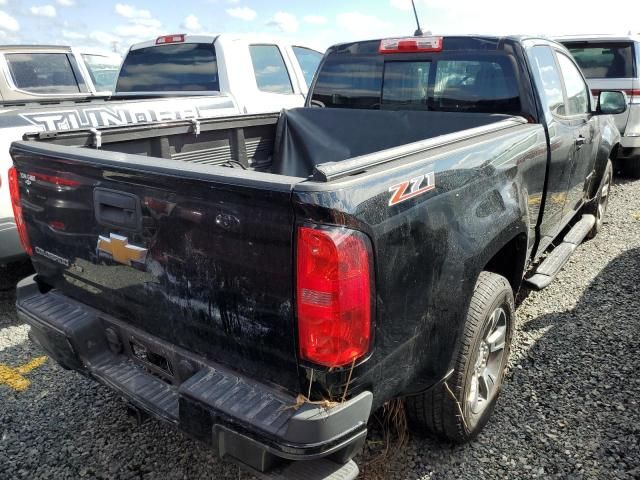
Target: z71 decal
(412, 188)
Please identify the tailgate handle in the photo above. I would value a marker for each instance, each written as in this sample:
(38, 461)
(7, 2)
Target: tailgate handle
(117, 209)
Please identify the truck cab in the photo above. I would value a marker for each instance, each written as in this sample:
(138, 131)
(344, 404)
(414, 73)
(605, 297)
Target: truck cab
(260, 73)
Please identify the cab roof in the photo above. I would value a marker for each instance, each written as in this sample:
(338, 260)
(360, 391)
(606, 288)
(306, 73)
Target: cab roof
(450, 42)
(597, 37)
(221, 37)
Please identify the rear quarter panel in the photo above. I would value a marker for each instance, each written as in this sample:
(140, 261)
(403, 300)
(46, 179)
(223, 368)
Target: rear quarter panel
(608, 139)
(430, 249)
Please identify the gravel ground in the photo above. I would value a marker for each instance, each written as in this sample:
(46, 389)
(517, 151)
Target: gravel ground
(569, 408)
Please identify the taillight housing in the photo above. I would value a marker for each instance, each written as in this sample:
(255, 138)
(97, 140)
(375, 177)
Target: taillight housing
(333, 295)
(175, 38)
(410, 45)
(14, 191)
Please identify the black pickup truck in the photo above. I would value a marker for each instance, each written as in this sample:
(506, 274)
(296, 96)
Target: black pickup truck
(265, 282)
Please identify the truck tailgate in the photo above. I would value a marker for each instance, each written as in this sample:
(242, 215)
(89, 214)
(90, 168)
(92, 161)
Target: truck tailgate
(197, 256)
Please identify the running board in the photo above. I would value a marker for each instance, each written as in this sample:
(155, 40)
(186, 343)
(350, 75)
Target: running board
(551, 266)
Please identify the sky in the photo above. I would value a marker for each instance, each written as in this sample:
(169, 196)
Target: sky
(116, 25)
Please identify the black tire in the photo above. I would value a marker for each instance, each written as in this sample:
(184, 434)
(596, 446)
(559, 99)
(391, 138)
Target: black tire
(598, 207)
(631, 168)
(447, 410)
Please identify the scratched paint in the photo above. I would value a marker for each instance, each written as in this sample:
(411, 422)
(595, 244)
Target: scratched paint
(14, 377)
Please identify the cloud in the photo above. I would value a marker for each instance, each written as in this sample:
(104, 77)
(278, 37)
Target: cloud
(285, 22)
(104, 38)
(8, 23)
(401, 4)
(129, 11)
(43, 11)
(315, 19)
(360, 26)
(71, 35)
(137, 32)
(192, 23)
(243, 13)
(140, 26)
(66, 3)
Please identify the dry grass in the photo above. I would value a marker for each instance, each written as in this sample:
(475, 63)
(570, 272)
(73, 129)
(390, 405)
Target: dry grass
(392, 422)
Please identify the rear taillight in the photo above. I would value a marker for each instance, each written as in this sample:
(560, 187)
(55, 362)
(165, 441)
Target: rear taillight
(633, 94)
(14, 190)
(54, 180)
(333, 288)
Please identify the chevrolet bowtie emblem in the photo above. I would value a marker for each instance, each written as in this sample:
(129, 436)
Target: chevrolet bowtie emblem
(119, 249)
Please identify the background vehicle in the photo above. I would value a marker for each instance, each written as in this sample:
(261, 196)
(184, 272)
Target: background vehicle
(268, 282)
(261, 74)
(611, 62)
(101, 68)
(41, 72)
(172, 77)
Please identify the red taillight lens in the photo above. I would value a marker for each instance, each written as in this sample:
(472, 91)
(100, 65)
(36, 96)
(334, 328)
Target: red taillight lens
(14, 190)
(55, 180)
(333, 295)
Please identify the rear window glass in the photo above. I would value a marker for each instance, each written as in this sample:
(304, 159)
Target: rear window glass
(184, 67)
(103, 70)
(349, 82)
(606, 60)
(44, 73)
(486, 85)
(405, 83)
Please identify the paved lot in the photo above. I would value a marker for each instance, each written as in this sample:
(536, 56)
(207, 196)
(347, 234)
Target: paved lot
(569, 408)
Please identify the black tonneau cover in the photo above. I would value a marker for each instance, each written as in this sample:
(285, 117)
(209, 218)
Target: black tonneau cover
(307, 137)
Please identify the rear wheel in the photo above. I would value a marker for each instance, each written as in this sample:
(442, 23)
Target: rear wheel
(459, 409)
(598, 208)
(631, 168)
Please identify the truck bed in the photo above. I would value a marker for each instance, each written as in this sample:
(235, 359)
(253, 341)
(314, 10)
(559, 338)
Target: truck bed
(291, 143)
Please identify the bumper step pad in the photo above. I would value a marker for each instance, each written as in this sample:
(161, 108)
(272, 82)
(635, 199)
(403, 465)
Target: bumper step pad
(145, 390)
(314, 470)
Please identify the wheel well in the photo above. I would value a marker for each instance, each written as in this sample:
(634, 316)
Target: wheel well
(509, 261)
(614, 152)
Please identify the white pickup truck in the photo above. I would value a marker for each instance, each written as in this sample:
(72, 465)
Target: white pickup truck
(173, 77)
(44, 72)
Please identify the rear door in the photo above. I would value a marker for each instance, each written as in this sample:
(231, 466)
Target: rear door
(276, 82)
(305, 62)
(607, 65)
(578, 113)
(562, 131)
(198, 256)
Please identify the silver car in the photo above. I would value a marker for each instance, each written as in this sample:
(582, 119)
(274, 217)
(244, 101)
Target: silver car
(612, 62)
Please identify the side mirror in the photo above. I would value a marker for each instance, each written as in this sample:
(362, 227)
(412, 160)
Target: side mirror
(612, 102)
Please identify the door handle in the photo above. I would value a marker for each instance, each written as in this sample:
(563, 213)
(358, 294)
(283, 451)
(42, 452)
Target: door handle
(117, 209)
